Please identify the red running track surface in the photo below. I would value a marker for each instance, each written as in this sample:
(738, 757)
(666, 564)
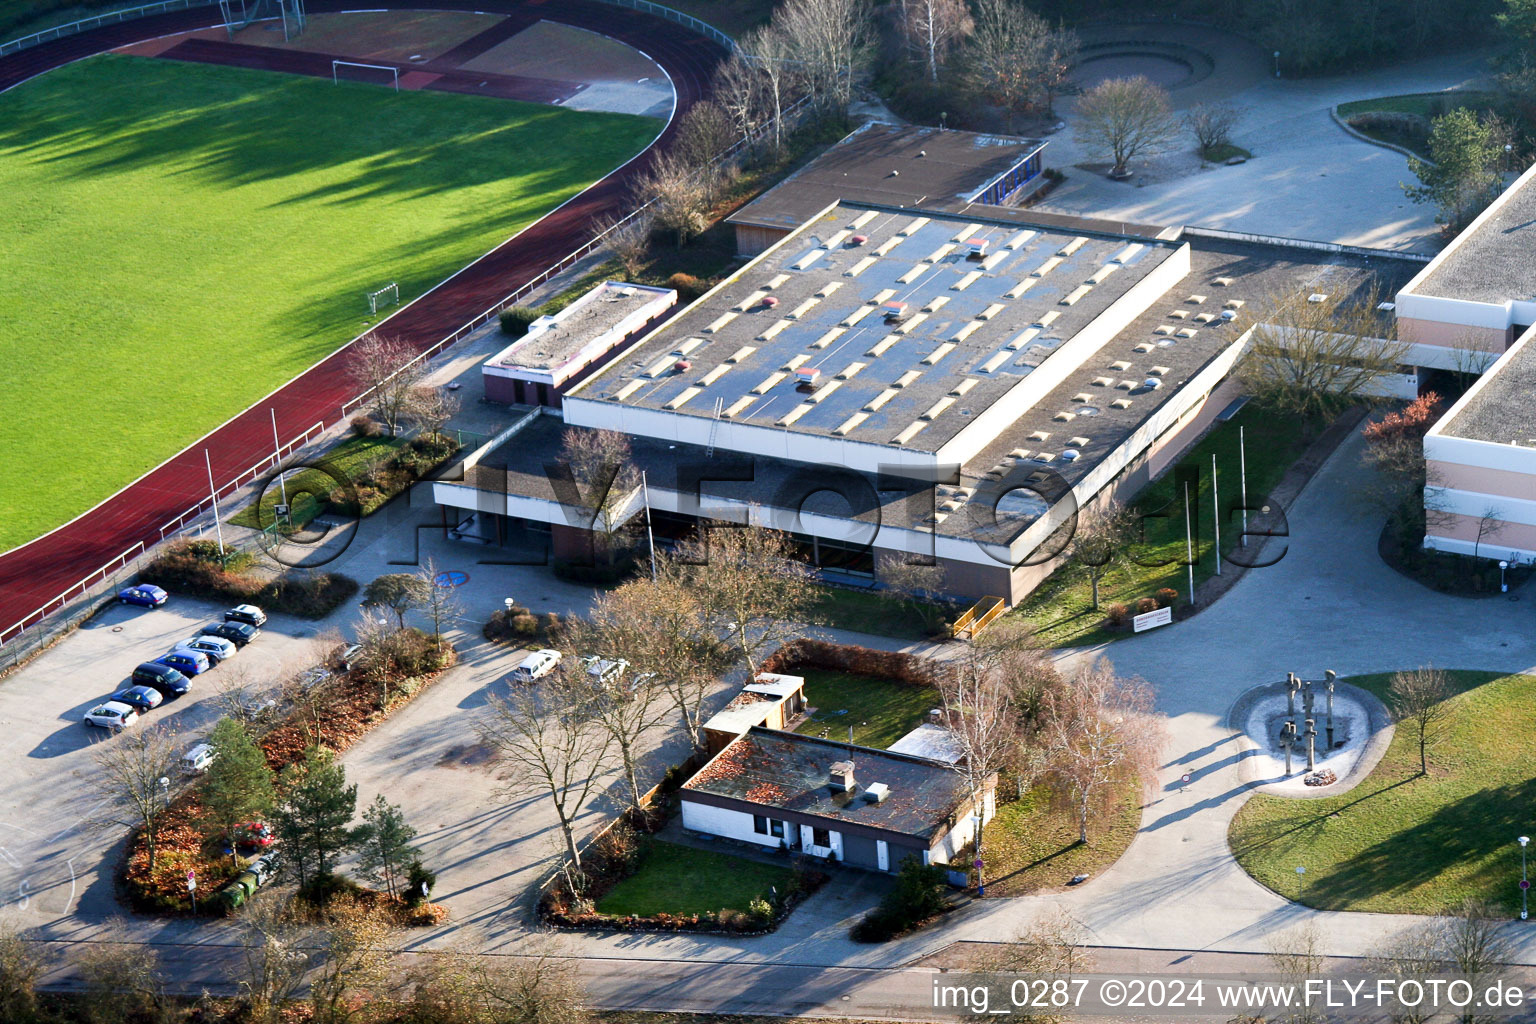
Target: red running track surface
(38, 572)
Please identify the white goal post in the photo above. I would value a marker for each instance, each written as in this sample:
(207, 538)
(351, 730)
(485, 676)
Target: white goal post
(389, 294)
(337, 65)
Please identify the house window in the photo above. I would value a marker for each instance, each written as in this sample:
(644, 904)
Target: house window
(821, 837)
(759, 824)
(776, 828)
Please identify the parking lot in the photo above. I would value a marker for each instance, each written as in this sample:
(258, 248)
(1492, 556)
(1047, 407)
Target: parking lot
(59, 836)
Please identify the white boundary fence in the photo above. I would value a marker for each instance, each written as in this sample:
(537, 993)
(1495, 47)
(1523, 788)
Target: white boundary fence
(110, 18)
(703, 28)
(120, 564)
(1301, 243)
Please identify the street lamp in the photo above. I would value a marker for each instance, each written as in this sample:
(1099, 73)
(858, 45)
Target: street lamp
(1277, 63)
(1525, 883)
(509, 603)
(165, 790)
(1503, 587)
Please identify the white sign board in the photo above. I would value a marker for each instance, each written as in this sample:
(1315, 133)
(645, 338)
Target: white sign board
(1151, 620)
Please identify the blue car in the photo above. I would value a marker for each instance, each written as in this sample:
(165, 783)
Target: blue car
(144, 698)
(188, 663)
(146, 594)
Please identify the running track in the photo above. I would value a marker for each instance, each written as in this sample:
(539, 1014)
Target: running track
(37, 572)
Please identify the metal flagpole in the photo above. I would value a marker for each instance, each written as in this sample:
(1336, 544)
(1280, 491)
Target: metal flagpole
(1216, 511)
(1189, 545)
(645, 492)
(277, 457)
(1242, 463)
(214, 493)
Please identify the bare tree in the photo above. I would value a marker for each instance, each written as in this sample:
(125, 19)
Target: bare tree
(705, 133)
(385, 371)
(739, 89)
(1099, 541)
(430, 407)
(978, 710)
(914, 585)
(22, 963)
(1015, 58)
(1490, 524)
(550, 747)
(238, 695)
(129, 769)
(749, 584)
(932, 28)
(275, 955)
(1411, 956)
(1298, 957)
(831, 39)
(1211, 124)
(629, 707)
(629, 239)
(1123, 118)
(1098, 729)
(679, 194)
(540, 986)
(596, 473)
(1475, 947)
(122, 978)
(1315, 358)
(1420, 698)
(1052, 947)
(355, 963)
(440, 604)
(1394, 446)
(771, 59)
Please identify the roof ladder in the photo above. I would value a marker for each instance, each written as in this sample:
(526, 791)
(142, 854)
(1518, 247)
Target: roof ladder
(714, 428)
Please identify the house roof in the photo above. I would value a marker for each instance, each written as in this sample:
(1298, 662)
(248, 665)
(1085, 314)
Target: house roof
(789, 771)
(931, 167)
(934, 742)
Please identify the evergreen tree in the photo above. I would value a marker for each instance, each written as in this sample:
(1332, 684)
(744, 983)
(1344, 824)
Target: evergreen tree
(384, 842)
(317, 807)
(238, 784)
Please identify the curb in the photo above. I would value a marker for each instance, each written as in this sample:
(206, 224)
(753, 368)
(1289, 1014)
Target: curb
(1349, 129)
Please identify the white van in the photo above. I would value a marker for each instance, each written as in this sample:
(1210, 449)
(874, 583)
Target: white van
(536, 666)
(197, 760)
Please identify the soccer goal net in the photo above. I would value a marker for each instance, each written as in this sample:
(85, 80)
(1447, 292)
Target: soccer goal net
(374, 74)
(389, 295)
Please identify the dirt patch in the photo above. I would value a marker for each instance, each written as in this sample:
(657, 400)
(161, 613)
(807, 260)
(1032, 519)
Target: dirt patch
(469, 755)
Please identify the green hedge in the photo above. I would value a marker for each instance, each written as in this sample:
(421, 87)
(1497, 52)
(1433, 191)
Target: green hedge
(194, 568)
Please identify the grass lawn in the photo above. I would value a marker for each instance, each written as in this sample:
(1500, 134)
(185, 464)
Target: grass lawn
(1032, 843)
(881, 711)
(181, 238)
(1062, 607)
(308, 488)
(1404, 843)
(674, 879)
(1427, 105)
(1224, 152)
(865, 611)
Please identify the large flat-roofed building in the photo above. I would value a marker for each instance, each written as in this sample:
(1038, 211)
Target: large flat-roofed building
(892, 165)
(912, 383)
(1474, 304)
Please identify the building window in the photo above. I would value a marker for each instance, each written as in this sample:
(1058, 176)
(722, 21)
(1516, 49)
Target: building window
(759, 824)
(776, 828)
(821, 837)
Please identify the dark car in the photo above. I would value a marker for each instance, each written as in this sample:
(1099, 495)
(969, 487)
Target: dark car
(247, 613)
(162, 677)
(145, 698)
(146, 594)
(237, 633)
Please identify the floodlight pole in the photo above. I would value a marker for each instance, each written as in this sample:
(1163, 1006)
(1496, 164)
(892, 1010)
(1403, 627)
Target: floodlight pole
(213, 492)
(1189, 545)
(277, 456)
(645, 496)
(1242, 464)
(1216, 511)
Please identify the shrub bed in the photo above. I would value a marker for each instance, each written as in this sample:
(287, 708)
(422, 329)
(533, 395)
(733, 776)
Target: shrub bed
(335, 714)
(196, 569)
(1401, 545)
(519, 627)
(377, 485)
(864, 661)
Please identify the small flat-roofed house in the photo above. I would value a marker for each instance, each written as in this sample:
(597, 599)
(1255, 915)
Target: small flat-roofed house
(771, 701)
(867, 808)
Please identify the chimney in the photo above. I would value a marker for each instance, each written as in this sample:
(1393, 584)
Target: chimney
(842, 777)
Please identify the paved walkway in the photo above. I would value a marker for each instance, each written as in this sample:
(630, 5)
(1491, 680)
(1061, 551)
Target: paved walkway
(1308, 179)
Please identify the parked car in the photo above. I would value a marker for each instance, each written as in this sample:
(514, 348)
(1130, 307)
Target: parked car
(246, 613)
(188, 663)
(111, 715)
(146, 594)
(536, 666)
(197, 760)
(252, 835)
(604, 671)
(237, 633)
(144, 698)
(215, 647)
(164, 678)
(347, 657)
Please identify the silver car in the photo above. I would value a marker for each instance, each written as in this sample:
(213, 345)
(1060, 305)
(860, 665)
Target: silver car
(215, 647)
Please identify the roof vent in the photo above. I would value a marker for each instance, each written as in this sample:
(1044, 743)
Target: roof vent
(1070, 455)
(807, 375)
(895, 174)
(770, 301)
(1151, 383)
(858, 239)
(978, 248)
(841, 777)
(682, 366)
(877, 792)
(895, 311)
(922, 152)
(1228, 315)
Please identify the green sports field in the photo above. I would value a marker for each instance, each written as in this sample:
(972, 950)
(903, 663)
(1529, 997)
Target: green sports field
(178, 239)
